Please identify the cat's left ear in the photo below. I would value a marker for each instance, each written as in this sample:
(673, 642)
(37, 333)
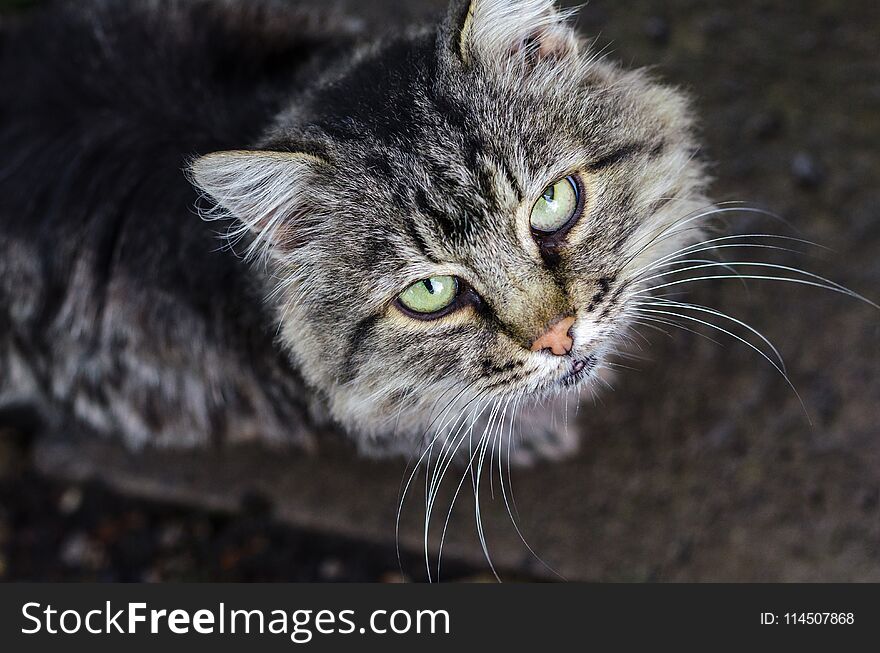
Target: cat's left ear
(266, 194)
(501, 31)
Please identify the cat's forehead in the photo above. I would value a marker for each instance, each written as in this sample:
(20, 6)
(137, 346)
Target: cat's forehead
(459, 178)
(406, 99)
(456, 153)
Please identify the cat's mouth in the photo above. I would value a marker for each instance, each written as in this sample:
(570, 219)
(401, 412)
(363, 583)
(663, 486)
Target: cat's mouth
(578, 370)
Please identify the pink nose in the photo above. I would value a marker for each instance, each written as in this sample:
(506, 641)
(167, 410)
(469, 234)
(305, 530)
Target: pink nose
(557, 338)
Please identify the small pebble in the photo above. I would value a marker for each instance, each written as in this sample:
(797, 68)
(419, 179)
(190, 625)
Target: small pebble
(807, 172)
(82, 552)
(394, 578)
(331, 569)
(70, 501)
(171, 536)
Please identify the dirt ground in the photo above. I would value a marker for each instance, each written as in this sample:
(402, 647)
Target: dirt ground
(701, 464)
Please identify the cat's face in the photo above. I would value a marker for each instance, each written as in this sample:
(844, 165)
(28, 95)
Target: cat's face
(470, 217)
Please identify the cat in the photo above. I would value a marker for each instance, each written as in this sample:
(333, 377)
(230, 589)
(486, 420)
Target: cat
(409, 239)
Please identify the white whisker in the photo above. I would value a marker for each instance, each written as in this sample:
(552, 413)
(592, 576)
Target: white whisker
(742, 340)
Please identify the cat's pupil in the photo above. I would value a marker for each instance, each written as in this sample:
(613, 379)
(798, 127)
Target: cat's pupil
(429, 286)
(549, 193)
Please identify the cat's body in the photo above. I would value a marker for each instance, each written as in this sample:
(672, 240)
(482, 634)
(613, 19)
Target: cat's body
(122, 313)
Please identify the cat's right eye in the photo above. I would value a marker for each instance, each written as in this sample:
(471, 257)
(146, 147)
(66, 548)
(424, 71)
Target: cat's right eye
(558, 206)
(430, 298)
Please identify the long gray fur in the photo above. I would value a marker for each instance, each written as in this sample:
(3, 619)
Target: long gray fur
(339, 171)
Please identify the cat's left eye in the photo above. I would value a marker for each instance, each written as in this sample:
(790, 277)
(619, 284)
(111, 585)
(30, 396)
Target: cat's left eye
(557, 207)
(430, 298)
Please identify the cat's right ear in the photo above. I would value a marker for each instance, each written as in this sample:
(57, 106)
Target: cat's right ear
(497, 32)
(265, 193)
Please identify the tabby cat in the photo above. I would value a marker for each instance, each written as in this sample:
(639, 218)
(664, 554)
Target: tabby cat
(228, 221)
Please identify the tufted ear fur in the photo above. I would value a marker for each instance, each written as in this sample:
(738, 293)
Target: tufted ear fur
(498, 31)
(266, 193)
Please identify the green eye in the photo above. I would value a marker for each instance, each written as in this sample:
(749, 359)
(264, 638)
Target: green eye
(556, 206)
(430, 295)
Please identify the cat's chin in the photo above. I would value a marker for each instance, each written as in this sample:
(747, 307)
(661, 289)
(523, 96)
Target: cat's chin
(573, 374)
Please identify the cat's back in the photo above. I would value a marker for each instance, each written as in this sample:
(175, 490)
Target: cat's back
(104, 103)
(108, 279)
(97, 84)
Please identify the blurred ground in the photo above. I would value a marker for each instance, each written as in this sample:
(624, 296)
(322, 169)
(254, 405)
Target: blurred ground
(700, 465)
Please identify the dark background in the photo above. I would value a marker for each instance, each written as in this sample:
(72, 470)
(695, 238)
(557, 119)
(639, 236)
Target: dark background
(700, 465)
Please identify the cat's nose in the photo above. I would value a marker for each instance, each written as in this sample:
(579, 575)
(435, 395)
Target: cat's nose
(557, 338)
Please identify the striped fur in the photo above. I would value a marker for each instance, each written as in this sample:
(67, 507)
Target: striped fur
(357, 168)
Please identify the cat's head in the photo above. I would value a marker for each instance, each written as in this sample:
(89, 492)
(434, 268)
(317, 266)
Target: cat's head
(461, 214)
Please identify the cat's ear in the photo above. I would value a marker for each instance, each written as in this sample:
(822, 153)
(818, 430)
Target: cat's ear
(501, 31)
(265, 193)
